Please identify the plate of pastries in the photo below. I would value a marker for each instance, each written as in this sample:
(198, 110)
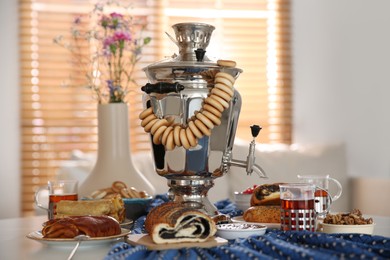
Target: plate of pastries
(101, 217)
(264, 207)
(64, 231)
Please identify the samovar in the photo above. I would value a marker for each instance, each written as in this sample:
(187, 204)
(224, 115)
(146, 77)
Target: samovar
(191, 112)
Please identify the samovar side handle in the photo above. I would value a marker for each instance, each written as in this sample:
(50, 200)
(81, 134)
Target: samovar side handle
(162, 87)
(249, 164)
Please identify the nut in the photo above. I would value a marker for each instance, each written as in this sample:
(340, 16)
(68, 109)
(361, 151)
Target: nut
(353, 218)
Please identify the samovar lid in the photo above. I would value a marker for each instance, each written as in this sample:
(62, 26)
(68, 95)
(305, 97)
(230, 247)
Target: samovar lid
(192, 40)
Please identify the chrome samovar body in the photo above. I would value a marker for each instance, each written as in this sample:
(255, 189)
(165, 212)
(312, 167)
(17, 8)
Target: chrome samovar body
(176, 91)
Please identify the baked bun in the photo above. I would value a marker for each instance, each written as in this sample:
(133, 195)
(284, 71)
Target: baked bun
(262, 214)
(69, 227)
(171, 222)
(266, 194)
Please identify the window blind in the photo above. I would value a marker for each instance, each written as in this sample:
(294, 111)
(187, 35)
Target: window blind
(57, 120)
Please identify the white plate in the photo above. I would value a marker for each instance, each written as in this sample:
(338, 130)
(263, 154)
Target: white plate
(240, 230)
(93, 241)
(268, 225)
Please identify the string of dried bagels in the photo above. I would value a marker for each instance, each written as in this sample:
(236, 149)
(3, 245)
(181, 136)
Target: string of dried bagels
(172, 135)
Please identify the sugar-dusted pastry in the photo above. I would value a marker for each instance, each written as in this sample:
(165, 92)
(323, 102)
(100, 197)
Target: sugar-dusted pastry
(171, 222)
(113, 207)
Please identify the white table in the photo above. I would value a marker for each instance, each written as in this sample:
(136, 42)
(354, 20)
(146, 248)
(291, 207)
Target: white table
(14, 245)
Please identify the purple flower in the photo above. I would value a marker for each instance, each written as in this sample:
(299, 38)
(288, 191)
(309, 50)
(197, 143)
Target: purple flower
(109, 44)
(116, 43)
(77, 20)
(122, 36)
(116, 92)
(116, 15)
(104, 21)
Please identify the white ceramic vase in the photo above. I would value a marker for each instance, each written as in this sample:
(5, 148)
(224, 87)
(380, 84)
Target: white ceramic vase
(114, 162)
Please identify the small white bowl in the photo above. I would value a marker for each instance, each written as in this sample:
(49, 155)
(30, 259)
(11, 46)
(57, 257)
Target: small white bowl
(240, 230)
(242, 200)
(361, 229)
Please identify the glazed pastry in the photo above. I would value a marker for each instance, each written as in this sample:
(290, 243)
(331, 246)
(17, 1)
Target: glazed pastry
(69, 227)
(171, 222)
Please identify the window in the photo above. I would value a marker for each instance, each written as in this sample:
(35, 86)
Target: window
(58, 120)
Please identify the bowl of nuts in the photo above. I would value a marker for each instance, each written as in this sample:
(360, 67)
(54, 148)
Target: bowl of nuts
(352, 222)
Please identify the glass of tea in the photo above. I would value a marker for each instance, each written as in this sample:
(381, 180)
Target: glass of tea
(323, 199)
(57, 190)
(297, 206)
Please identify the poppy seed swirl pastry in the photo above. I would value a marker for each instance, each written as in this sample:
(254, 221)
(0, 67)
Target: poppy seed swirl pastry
(266, 194)
(171, 222)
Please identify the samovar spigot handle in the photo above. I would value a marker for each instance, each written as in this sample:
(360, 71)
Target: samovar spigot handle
(162, 87)
(250, 164)
(255, 129)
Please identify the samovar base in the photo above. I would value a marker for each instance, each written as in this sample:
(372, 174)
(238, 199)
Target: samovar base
(192, 191)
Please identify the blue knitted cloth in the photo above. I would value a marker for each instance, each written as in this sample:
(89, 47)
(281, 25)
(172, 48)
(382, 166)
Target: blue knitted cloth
(274, 244)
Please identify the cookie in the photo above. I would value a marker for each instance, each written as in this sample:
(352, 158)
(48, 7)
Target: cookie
(195, 130)
(207, 122)
(202, 127)
(176, 135)
(170, 144)
(221, 94)
(157, 125)
(219, 100)
(212, 117)
(165, 135)
(150, 124)
(118, 185)
(146, 113)
(184, 139)
(147, 119)
(158, 134)
(212, 109)
(226, 63)
(225, 88)
(191, 137)
(225, 75)
(99, 194)
(214, 103)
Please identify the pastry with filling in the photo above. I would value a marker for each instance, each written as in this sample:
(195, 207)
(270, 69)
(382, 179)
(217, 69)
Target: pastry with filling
(70, 227)
(266, 194)
(113, 207)
(262, 214)
(171, 222)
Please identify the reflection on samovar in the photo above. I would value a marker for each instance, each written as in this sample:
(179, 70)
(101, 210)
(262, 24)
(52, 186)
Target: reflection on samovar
(191, 112)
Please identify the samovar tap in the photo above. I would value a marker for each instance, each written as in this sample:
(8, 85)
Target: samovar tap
(249, 164)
